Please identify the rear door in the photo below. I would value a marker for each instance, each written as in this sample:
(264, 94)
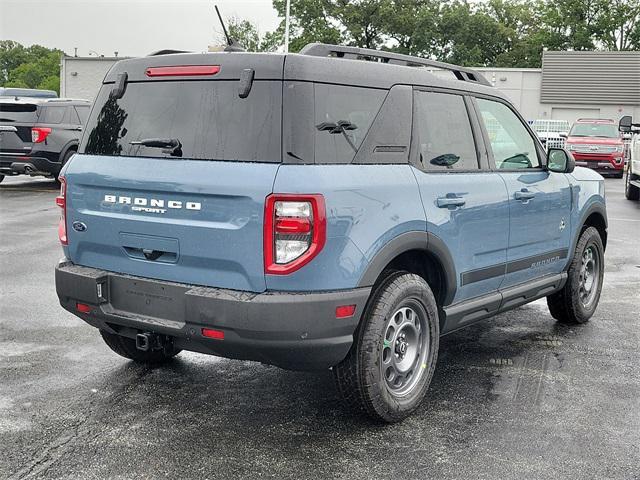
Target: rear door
(192, 212)
(466, 206)
(539, 200)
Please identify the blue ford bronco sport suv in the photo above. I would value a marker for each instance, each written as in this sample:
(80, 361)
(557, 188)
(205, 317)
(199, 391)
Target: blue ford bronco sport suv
(339, 208)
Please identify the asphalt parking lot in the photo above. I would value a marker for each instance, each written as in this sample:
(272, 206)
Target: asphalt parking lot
(517, 396)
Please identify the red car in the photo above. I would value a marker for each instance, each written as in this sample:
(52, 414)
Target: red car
(596, 144)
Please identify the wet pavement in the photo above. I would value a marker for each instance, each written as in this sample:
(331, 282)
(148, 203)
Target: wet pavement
(517, 396)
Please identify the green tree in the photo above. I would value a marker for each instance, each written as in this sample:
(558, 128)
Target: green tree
(29, 67)
(248, 35)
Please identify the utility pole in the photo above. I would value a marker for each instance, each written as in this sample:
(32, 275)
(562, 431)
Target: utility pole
(286, 26)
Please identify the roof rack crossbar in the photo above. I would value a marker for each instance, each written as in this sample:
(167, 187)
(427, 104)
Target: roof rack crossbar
(356, 53)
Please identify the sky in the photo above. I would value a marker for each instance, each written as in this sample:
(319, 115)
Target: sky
(130, 27)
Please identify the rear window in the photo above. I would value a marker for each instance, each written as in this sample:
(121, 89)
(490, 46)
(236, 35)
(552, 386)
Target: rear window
(207, 118)
(18, 112)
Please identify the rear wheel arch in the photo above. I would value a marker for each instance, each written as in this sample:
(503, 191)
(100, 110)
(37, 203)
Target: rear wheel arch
(421, 253)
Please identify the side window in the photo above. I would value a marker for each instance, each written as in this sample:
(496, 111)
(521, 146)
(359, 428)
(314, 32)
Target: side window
(53, 114)
(443, 130)
(83, 113)
(343, 116)
(512, 145)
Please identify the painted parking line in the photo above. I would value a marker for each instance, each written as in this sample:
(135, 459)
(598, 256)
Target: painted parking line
(625, 219)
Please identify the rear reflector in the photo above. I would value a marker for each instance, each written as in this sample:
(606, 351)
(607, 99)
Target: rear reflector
(345, 311)
(211, 333)
(182, 70)
(83, 307)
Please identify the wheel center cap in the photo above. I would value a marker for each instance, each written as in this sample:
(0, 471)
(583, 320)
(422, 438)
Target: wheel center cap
(401, 346)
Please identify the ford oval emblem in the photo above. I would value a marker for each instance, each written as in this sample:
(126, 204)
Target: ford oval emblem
(79, 226)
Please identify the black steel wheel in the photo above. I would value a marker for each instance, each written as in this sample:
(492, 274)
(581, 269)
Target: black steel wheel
(578, 299)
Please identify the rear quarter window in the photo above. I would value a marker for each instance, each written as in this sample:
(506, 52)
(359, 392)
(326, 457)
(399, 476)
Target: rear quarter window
(53, 114)
(208, 118)
(343, 116)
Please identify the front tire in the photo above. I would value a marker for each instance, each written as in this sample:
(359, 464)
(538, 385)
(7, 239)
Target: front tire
(126, 347)
(578, 299)
(631, 192)
(389, 367)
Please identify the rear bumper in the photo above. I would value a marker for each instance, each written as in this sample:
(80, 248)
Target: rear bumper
(293, 330)
(27, 164)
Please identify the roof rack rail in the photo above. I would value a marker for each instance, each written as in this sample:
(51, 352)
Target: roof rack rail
(166, 52)
(356, 53)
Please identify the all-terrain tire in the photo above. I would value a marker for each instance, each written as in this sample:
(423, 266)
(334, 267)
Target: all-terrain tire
(570, 304)
(362, 377)
(631, 192)
(126, 347)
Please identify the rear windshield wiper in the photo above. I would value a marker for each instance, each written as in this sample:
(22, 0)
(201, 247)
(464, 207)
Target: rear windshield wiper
(341, 127)
(171, 146)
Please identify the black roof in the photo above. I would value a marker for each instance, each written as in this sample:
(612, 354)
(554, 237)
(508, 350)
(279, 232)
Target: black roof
(319, 63)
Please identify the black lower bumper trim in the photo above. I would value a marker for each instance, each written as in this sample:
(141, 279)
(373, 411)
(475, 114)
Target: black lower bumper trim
(26, 165)
(293, 330)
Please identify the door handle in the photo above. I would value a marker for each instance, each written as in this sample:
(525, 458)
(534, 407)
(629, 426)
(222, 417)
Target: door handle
(524, 194)
(451, 200)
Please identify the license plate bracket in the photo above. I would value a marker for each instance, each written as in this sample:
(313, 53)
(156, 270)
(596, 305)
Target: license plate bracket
(148, 298)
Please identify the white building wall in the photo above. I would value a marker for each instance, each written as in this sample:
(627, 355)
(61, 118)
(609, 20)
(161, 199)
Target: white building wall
(81, 77)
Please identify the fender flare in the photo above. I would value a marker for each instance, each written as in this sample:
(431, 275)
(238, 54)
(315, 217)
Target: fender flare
(422, 241)
(595, 207)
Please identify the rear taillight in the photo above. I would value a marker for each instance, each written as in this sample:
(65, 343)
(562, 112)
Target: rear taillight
(294, 231)
(39, 134)
(61, 201)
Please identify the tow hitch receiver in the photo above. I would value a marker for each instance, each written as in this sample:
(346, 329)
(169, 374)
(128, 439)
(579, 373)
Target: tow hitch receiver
(150, 341)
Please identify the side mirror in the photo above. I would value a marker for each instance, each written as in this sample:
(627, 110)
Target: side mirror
(563, 135)
(560, 160)
(625, 123)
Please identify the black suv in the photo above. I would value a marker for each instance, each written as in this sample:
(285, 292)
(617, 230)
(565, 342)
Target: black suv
(38, 136)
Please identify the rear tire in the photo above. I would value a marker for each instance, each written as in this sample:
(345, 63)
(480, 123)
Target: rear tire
(126, 347)
(631, 192)
(578, 299)
(389, 367)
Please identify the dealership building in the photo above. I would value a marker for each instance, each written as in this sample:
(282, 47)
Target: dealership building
(570, 85)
